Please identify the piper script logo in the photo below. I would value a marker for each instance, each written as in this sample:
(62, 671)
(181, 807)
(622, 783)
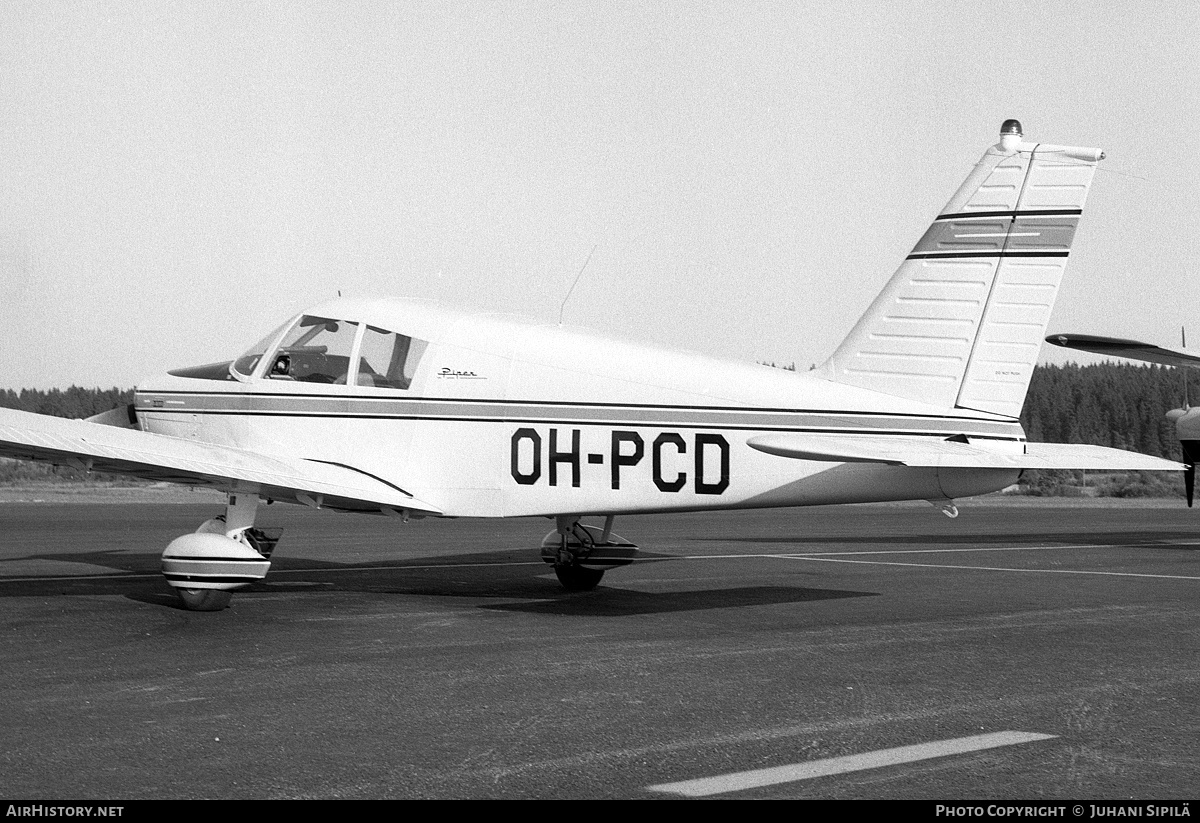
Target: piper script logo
(448, 373)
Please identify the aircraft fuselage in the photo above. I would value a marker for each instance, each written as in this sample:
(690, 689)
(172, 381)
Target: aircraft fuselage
(504, 418)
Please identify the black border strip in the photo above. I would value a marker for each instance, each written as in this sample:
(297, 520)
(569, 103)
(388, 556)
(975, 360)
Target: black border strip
(190, 558)
(954, 255)
(1012, 213)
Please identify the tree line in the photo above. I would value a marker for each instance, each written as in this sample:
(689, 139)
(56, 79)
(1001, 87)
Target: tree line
(1121, 405)
(75, 402)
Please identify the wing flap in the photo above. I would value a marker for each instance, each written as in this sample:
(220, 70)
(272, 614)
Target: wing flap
(940, 453)
(94, 446)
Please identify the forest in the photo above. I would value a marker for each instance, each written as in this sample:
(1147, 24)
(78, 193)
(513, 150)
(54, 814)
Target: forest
(1107, 404)
(75, 402)
(1121, 405)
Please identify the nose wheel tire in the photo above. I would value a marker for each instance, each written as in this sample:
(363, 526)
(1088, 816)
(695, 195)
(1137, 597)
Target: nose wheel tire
(576, 578)
(205, 600)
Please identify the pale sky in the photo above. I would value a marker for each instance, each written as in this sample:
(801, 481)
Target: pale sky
(176, 179)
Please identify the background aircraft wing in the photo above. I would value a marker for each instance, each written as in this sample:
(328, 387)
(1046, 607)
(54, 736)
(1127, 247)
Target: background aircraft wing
(935, 452)
(1131, 349)
(92, 446)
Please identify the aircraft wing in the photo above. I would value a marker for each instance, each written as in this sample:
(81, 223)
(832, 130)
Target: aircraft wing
(93, 446)
(1131, 349)
(936, 452)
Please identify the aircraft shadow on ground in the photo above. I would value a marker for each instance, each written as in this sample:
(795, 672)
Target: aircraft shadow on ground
(509, 574)
(519, 575)
(612, 602)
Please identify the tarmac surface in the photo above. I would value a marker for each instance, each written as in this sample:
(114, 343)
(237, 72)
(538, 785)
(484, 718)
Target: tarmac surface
(848, 652)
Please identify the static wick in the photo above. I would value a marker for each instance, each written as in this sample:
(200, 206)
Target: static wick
(563, 307)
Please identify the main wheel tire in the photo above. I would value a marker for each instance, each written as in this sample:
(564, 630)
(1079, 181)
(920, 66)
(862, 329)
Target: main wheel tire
(205, 600)
(576, 578)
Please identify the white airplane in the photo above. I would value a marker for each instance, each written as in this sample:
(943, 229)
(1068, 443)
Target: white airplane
(1186, 419)
(407, 409)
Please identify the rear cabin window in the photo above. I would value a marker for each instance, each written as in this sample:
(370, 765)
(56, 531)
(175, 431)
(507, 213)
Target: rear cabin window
(388, 360)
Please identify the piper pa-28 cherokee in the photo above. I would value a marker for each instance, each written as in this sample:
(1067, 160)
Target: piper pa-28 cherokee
(408, 409)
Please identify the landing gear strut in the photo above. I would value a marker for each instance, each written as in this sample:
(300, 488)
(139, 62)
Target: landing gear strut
(224, 554)
(580, 554)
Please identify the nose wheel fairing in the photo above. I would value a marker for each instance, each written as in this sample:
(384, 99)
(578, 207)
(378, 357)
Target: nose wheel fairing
(226, 553)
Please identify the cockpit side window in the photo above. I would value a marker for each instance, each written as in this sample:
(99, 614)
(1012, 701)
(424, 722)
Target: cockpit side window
(388, 360)
(315, 350)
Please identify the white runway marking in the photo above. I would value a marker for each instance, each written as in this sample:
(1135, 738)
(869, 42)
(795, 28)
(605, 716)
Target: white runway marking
(740, 781)
(274, 572)
(815, 558)
(51, 578)
(424, 567)
(979, 549)
(962, 550)
(826, 556)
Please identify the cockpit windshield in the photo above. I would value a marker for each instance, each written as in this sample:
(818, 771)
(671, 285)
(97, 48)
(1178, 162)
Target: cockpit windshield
(340, 352)
(315, 350)
(248, 362)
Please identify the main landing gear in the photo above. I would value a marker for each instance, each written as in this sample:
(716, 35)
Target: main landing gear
(227, 553)
(580, 554)
(224, 554)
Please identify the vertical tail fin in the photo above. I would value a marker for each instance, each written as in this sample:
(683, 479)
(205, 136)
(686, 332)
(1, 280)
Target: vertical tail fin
(961, 321)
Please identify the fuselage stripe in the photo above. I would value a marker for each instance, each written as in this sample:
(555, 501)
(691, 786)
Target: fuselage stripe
(465, 401)
(653, 424)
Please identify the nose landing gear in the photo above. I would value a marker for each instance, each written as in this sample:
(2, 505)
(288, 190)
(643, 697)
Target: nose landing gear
(224, 554)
